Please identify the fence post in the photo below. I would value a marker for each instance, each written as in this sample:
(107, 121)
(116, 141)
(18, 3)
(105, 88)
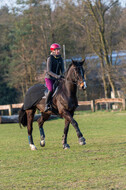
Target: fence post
(124, 104)
(92, 106)
(10, 110)
(107, 106)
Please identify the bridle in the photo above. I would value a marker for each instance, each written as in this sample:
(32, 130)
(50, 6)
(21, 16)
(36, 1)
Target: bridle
(81, 84)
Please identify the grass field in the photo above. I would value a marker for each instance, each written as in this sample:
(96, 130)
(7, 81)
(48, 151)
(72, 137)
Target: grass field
(99, 165)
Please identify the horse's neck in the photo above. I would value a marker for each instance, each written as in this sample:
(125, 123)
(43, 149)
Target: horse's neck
(71, 88)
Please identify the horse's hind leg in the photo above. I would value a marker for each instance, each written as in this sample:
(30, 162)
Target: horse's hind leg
(30, 116)
(66, 129)
(41, 121)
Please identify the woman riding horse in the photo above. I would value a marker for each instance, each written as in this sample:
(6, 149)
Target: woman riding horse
(55, 65)
(64, 102)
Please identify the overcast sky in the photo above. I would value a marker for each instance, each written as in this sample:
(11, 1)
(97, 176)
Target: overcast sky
(11, 2)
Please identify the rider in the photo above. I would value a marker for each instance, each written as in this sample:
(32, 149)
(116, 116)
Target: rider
(55, 66)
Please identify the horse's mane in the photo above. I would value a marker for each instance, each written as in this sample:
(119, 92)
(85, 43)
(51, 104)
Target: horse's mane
(75, 63)
(61, 82)
(68, 69)
(65, 74)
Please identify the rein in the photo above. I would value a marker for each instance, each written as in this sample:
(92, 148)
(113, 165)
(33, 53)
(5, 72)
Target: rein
(70, 81)
(81, 84)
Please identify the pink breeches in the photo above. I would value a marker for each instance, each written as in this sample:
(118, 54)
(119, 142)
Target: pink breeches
(49, 84)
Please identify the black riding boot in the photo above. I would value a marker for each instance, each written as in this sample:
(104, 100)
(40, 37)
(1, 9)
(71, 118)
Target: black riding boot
(48, 101)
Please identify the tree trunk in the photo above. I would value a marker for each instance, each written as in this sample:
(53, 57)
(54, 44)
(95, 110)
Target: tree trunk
(101, 30)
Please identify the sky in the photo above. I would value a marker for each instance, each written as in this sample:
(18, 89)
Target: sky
(11, 2)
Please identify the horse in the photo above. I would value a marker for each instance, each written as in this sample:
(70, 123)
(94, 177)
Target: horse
(64, 103)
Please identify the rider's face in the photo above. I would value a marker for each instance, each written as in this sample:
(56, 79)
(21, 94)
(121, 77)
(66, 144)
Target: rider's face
(57, 51)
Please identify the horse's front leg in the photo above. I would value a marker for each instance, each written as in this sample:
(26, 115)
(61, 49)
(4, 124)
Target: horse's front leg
(30, 116)
(69, 118)
(66, 129)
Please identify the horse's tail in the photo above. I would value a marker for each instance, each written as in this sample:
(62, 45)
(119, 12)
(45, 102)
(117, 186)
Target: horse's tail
(22, 117)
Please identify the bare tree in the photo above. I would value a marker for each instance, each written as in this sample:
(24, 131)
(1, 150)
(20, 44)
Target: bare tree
(92, 19)
(103, 50)
(31, 45)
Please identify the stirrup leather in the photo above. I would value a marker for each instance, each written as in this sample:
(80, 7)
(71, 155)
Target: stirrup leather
(48, 107)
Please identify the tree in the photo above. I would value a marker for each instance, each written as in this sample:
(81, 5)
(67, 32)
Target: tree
(121, 77)
(100, 35)
(7, 94)
(30, 44)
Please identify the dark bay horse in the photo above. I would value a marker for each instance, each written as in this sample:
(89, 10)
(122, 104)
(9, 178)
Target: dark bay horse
(64, 103)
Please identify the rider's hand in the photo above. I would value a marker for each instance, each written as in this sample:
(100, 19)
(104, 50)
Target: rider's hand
(60, 77)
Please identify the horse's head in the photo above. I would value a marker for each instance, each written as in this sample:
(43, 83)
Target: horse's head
(77, 74)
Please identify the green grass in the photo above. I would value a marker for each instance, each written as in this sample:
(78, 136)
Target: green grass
(99, 165)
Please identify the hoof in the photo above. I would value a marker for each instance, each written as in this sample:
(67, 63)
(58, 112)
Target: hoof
(33, 147)
(82, 141)
(66, 146)
(42, 143)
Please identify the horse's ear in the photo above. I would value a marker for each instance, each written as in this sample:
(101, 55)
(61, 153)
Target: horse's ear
(82, 62)
(73, 62)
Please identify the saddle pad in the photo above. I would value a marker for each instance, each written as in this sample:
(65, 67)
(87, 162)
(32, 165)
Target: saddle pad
(34, 95)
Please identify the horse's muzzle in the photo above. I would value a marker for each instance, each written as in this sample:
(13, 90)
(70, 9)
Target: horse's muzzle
(83, 85)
